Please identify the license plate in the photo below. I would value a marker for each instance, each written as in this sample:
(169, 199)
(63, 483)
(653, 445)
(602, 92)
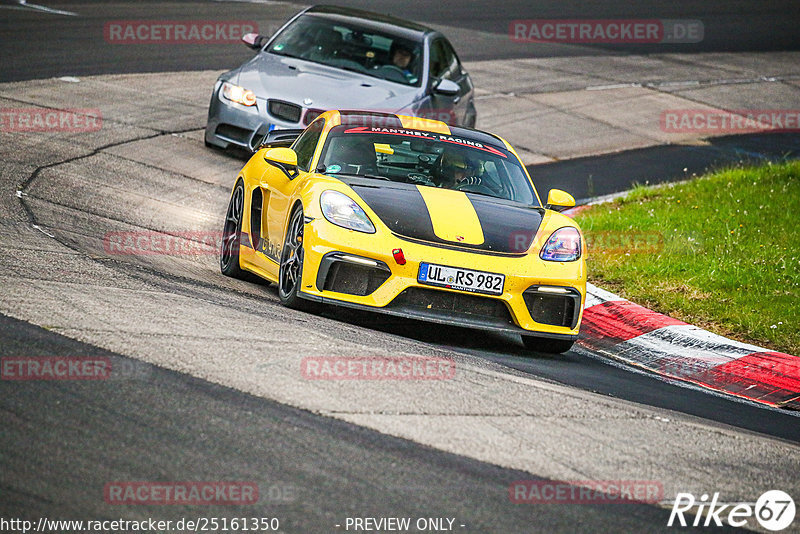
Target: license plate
(462, 279)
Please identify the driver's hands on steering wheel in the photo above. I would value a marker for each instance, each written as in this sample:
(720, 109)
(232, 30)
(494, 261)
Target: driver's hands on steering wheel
(469, 180)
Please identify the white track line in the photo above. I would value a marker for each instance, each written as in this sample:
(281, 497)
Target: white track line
(23, 4)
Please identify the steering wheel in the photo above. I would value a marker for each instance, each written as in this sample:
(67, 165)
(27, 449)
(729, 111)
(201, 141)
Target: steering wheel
(392, 73)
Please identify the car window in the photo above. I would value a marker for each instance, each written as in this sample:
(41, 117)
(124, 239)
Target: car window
(351, 47)
(427, 159)
(451, 60)
(305, 144)
(444, 63)
(437, 66)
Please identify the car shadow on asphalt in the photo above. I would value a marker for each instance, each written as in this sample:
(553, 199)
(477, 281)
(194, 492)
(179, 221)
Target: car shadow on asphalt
(445, 336)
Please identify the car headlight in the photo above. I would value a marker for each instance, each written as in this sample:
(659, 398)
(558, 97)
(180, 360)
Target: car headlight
(563, 245)
(237, 94)
(341, 210)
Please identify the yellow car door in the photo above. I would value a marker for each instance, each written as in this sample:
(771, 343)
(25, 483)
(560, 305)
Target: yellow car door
(282, 187)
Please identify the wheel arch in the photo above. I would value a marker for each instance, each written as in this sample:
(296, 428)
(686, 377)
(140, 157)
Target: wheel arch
(297, 203)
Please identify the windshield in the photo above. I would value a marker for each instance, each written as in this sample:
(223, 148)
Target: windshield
(427, 159)
(351, 47)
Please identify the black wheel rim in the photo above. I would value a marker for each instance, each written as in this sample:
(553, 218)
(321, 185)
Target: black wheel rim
(230, 232)
(292, 257)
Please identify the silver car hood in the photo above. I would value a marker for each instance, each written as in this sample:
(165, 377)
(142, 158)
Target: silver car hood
(296, 80)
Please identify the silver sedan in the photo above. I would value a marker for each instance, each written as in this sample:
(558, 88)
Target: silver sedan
(337, 58)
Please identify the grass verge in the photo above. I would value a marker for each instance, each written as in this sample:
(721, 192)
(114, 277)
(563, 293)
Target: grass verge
(721, 252)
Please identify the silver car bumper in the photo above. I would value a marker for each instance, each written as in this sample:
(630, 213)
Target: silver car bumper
(233, 124)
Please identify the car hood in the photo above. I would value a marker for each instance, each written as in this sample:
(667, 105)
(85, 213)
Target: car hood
(295, 80)
(452, 218)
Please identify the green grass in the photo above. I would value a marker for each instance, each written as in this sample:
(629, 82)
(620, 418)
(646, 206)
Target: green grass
(721, 252)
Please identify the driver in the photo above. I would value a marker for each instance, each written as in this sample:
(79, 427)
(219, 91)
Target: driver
(456, 170)
(401, 57)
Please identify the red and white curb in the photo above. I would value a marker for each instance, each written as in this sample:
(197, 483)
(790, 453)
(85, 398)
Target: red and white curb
(634, 335)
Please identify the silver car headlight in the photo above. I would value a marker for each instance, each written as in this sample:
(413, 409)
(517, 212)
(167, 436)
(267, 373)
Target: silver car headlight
(237, 94)
(342, 210)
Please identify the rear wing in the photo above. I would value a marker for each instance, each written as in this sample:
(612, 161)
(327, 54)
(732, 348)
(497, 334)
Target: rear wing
(274, 138)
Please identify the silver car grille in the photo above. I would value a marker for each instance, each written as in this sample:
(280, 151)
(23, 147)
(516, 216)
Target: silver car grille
(284, 110)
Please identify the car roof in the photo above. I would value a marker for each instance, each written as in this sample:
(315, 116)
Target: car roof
(477, 135)
(392, 120)
(370, 20)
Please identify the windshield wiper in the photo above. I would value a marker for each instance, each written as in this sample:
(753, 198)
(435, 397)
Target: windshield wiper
(482, 194)
(357, 175)
(284, 54)
(350, 69)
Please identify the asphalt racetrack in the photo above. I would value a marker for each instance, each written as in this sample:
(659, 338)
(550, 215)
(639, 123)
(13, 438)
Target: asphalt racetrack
(212, 389)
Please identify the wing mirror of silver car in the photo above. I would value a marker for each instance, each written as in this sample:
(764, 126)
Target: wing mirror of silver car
(446, 87)
(283, 158)
(254, 40)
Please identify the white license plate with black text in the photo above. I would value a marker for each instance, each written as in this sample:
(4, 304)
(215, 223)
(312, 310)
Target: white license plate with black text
(463, 279)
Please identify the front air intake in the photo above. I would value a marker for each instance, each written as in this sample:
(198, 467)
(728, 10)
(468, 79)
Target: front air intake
(285, 110)
(556, 309)
(351, 275)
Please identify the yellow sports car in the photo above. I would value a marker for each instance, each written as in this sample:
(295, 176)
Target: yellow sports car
(409, 217)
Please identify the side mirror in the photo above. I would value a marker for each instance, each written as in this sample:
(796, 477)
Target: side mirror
(446, 87)
(559, 200)
(283, 158)
(254, 40)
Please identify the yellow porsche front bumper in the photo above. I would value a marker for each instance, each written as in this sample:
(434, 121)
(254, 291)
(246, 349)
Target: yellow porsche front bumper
(539, 297)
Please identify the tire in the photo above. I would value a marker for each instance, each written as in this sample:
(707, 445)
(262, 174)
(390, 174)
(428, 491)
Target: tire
(231, 235)
(290, 274)
(550, 346)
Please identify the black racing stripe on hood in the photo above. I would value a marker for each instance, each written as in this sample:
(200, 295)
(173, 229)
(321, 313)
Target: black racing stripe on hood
(507, 227)
(402, 209)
